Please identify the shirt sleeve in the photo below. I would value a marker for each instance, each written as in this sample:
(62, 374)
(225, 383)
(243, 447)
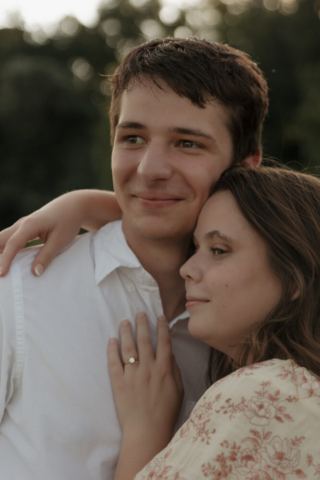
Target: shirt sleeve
(11, 337)
(259, 422)
(6, 369)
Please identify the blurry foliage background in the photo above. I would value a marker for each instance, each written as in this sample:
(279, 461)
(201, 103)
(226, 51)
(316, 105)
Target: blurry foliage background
(54, 96)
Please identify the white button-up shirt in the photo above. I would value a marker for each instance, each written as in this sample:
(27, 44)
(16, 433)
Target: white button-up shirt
(57, 416)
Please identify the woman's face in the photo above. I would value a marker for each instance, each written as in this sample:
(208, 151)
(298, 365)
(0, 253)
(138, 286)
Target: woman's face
(229, 282)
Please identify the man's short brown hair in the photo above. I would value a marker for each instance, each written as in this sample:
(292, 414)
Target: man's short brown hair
(201, 71)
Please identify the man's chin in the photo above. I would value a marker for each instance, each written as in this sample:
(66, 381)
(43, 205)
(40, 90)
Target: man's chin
(155, 230)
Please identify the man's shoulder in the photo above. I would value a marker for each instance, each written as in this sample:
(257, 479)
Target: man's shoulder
(75, 262)
(80, 248)
(80, 243)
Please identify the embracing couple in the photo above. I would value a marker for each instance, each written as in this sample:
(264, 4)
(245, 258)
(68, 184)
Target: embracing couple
(186, 120)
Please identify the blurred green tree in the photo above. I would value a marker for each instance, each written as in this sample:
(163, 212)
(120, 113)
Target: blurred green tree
(46, 132)
(54, 91)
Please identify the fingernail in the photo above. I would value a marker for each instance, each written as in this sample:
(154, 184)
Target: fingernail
(125, 322)
(140, 315)
(112, 340)
(39, 269)
(162, 318)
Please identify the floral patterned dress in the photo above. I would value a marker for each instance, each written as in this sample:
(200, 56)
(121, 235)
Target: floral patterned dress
(262, 422)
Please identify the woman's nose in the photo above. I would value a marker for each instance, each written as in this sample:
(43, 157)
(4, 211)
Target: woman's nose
(191, 270)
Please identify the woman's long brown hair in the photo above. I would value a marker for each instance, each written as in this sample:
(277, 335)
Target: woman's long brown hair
(283, 206)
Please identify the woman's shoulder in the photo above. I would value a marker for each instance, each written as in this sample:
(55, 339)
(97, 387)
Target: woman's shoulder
(270, 400)
(262, 419)
(260, 422)
(271, 379)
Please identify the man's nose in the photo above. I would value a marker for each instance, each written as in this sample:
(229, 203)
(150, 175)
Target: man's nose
(155, 163)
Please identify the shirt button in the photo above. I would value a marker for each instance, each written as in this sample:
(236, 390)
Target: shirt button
(131, 288)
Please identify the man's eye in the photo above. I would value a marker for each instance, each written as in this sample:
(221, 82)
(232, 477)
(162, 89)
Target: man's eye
(133, 139)
(189, 144)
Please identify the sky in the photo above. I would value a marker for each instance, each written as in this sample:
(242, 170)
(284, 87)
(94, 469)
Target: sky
(39, 13)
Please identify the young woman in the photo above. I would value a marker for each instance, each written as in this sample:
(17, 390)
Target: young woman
(253, 293)
(253, 289)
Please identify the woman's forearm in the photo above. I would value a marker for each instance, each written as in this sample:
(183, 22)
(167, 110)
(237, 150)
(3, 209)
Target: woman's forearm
(137, 449)
(99, 207)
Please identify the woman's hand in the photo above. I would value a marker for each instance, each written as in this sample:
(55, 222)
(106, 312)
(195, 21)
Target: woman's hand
(57, 224)
(148, 393)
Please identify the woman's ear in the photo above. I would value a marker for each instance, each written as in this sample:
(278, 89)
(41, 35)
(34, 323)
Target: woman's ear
(253, 161)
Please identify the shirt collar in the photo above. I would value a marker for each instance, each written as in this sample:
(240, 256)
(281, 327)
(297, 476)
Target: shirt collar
(183, 316)
(110, 250)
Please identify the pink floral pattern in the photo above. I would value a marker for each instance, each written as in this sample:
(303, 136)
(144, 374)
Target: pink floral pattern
(158, 470)
(260, 423)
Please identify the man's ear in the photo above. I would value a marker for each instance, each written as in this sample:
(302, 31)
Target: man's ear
(253, 161)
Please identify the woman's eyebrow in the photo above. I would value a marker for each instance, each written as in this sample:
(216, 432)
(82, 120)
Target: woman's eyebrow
(217, 233)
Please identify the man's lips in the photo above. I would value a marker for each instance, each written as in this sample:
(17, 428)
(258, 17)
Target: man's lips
(195, 301)
(156, 200)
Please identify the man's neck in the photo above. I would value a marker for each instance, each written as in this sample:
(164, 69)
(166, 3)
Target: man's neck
(163, 259)
(164, 267)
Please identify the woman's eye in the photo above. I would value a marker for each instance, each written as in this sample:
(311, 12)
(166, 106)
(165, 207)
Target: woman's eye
(218, 252)
(189, 144)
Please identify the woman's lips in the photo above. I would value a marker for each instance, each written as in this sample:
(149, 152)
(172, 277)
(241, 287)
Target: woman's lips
(194, 302)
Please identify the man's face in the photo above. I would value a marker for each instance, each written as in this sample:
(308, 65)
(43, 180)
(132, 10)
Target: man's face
(167, 154)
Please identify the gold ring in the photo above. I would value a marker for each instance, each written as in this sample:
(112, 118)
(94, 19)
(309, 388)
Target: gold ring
(131, 361)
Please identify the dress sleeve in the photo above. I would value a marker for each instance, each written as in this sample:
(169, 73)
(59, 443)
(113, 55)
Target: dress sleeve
(261, 423)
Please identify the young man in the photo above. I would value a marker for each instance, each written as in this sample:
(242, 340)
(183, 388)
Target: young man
(182, 112)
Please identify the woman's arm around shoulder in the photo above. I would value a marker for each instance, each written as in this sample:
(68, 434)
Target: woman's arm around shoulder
(57, 224)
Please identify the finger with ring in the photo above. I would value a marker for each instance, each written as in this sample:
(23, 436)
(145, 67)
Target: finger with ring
(128, 349)
(131, 361)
